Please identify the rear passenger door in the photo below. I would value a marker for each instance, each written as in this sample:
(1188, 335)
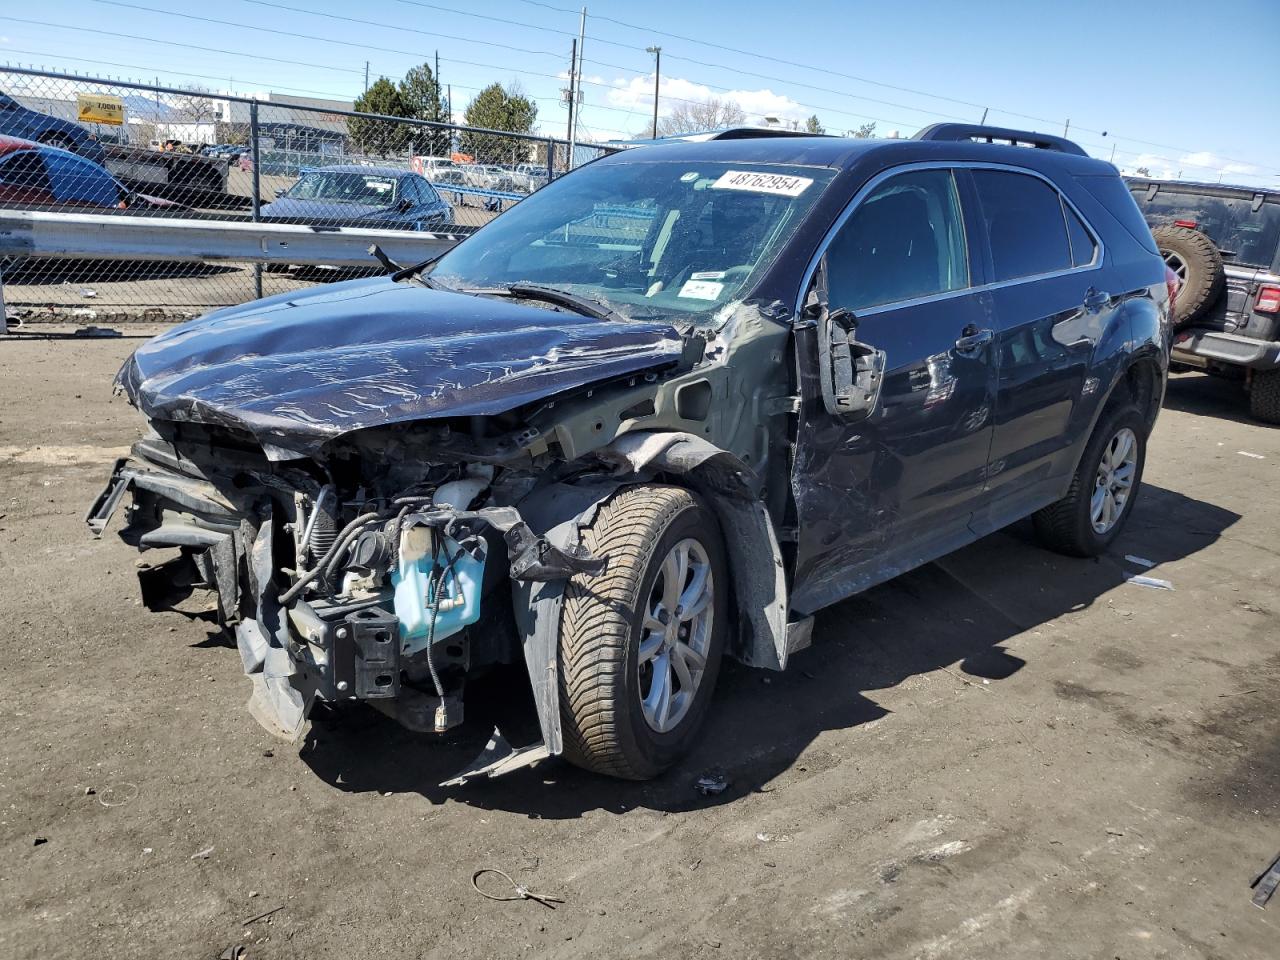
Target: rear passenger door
(1044, 267)
(893, 484)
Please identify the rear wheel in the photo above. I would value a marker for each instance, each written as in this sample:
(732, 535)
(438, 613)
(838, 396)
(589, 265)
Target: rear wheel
(1091, 515)
(1264, 396)
(1198, 264)
(640, 645)
(59, 140)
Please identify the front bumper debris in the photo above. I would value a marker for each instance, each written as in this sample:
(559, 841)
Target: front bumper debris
(299, 646)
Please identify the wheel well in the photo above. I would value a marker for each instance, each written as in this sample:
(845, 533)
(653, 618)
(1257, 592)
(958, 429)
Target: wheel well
(1140, 387)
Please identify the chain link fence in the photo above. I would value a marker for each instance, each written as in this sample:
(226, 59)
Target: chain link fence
(130, 149)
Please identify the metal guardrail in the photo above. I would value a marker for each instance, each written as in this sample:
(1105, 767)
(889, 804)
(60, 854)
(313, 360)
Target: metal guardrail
(62, 236)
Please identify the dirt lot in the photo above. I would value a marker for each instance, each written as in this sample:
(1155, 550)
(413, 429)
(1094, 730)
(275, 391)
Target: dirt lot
(1004, 754)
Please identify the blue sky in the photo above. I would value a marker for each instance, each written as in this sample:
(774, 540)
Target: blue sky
(1175, 86)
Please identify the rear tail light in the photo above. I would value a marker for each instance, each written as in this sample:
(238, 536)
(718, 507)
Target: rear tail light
(1189, 224)
(1268, 300)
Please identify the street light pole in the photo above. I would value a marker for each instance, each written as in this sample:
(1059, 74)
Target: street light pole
(657, 68)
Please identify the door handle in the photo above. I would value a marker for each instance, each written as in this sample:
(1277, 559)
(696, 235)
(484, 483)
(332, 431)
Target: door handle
(971, 338)
(1096, 299)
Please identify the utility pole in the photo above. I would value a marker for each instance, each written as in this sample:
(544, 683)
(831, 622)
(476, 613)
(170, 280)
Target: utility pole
(366, 76)
(983, 121)
(1066, 127)
(573, 72)
(657, 71)
(576, 86)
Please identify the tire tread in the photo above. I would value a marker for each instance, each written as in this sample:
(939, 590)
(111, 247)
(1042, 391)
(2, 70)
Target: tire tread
(594, 625)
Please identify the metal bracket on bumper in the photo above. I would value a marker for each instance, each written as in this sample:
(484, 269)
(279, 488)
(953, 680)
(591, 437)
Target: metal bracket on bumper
(106, 502)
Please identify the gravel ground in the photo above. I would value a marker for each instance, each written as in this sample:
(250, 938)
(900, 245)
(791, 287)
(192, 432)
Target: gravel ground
(1003, 754)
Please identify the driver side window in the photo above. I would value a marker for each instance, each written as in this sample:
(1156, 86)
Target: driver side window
(904, 241)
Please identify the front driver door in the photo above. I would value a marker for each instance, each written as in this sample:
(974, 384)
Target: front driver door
(889, 479)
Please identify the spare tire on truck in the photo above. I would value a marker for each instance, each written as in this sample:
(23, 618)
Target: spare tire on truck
(1198, 264)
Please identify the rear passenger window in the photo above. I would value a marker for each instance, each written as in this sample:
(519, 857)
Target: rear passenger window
(904, 241)
(1083, 247)
(1025, 224)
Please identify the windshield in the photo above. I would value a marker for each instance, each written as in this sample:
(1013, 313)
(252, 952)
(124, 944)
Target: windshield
(646, 238)
(363, 188)
(1241, 233)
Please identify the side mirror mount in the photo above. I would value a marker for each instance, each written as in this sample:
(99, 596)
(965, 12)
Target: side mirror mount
(405, 205)
(850, 372)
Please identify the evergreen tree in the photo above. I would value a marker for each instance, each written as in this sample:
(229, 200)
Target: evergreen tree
(497, 108)
(380, 137)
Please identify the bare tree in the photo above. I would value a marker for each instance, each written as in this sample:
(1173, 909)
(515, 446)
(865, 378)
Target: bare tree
(199, 106)
(864, 132)
(1143, 171)
(695, 116)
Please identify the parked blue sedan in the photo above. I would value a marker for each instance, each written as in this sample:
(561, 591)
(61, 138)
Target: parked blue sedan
(363, 196)
(27, 124)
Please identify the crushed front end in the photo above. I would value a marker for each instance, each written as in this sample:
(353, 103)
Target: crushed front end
(372, 574)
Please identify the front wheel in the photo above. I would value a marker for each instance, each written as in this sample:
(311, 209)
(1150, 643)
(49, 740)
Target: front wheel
(640, 645)
(1091, 515)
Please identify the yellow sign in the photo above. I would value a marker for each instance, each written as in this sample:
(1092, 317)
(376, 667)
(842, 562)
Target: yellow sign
(99, 108)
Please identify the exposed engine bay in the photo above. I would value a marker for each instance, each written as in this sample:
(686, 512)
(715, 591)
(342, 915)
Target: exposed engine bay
(351, 583)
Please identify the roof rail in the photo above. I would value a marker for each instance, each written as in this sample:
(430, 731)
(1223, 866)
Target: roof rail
(977, 132)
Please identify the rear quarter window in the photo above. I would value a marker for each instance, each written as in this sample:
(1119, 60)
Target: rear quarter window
(1111, 192)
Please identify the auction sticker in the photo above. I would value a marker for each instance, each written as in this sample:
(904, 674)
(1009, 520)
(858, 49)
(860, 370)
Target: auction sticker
(701, 289)
(776, 183)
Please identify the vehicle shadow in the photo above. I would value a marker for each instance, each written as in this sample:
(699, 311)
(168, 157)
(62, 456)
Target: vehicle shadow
(954, 614)
(1206, 396)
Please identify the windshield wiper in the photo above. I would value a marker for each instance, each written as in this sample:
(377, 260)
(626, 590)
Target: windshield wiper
(587, 306)
(411, 273)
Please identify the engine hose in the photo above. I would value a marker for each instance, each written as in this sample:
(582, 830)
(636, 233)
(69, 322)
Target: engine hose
(322, 530)
(435, 612)
(344, 538)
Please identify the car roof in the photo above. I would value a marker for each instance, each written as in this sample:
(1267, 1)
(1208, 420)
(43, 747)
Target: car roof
(14, 144)
(361, 168)
(844, 152)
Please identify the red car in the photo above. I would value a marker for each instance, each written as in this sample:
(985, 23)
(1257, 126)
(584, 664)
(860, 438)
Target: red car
(36, 175)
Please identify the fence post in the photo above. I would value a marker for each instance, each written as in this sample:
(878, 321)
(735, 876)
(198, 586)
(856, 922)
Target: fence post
(255, 150)
(551, 159)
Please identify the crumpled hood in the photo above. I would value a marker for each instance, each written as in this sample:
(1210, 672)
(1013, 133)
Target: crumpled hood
(299, 369)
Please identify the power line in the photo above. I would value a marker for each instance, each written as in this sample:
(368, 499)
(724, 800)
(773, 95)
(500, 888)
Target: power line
(176, 43)
(847, 76)
(306, 36)
(415, 54)
(367, 46)
(176, 73)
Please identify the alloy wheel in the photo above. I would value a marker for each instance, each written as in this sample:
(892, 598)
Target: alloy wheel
(676, 635)
(1114, 483)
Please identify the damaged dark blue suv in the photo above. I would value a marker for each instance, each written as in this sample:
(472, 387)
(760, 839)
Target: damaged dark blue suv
(661, 411)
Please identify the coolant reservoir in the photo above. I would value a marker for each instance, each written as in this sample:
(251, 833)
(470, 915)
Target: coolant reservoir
(413, 580)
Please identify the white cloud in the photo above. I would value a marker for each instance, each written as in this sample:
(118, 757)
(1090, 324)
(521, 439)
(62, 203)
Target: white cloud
(1201, 165)
(637, 94)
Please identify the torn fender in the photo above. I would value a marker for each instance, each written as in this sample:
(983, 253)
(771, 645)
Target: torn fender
(557, 512)
(733, 488)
